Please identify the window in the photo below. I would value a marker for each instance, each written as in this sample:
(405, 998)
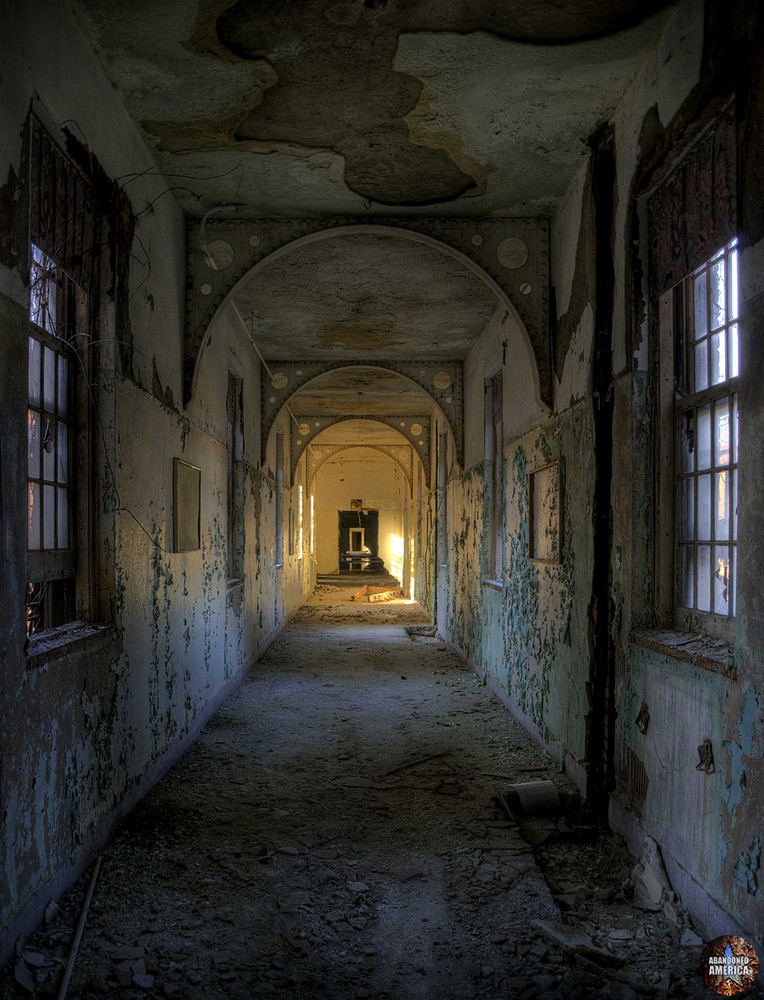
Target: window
(58, 314)
(442, 459)
(707, 445)
(279, 498)
(234, 478)
(300, 522)
(494, 447)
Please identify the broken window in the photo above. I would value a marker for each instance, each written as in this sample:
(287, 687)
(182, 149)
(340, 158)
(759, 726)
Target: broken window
(707, 421)
(64, 274)
(58, 312)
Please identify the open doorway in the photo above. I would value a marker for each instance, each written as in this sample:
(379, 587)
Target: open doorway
(359, 541)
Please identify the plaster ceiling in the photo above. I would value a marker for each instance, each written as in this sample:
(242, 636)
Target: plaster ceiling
(357, 433)
(361, 390)
(304, 107)
(365, 294)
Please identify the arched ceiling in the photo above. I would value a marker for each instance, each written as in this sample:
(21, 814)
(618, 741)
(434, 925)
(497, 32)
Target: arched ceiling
(365, 294)
(360, 390)
(305, 107)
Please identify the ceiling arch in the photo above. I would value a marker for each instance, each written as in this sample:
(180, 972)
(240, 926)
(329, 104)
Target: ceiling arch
(398, 454)
(396, 270)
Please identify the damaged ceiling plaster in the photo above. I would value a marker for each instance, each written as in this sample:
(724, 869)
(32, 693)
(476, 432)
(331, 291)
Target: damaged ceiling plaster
(343, 107)
(366, 295)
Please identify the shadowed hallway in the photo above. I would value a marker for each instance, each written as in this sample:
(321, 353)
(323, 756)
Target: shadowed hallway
(333, 835)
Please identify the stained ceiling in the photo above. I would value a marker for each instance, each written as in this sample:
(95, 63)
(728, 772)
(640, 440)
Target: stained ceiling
(366, 295)
(368, 108)
(361, 390)
(304, 107)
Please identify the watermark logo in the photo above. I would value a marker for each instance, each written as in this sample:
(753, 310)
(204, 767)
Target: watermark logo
(729, 965)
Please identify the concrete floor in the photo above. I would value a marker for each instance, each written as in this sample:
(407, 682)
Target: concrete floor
(285, 856)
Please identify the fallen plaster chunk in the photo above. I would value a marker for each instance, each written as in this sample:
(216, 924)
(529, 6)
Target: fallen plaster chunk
(571, 940)
(648, 880)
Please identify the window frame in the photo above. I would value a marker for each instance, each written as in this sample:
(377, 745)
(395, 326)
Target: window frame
(674, 310)
(67, 335)
(687, 400)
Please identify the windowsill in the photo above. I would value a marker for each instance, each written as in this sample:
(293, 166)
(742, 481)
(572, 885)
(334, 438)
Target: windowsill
(493, 584)
(55, 642)
(693, 647)
(234, 581)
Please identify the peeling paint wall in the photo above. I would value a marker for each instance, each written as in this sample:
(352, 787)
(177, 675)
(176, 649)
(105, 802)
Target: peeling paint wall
(89, 727)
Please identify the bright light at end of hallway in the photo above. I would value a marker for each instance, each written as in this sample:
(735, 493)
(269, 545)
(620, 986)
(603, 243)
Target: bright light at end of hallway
(396, 556)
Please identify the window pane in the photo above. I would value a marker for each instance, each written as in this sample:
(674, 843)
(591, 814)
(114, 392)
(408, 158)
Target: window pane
(701, 307)
(719, 357)
(33, 444)
(703, 419)
(704, 508)
(688, 577)
(48, 449)
(718, 294)
(48, 517)
(722, 498)
(34, 538)
(733, 580)
(722, 432)
(734, 359)
(63, 386)
(700, 380)
(49, 380)
(35, 364)
(688, 509)
(62, 511)
(734, 505)
(732, 285)
(62, 454)
(721, 580)
(735, 428)
(688, 441)
(704, 578)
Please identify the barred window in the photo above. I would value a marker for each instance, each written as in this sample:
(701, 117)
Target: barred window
(64, 273)
(707, 420)
(58, 311)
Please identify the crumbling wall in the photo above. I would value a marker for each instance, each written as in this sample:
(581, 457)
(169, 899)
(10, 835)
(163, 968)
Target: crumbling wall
(90, 724)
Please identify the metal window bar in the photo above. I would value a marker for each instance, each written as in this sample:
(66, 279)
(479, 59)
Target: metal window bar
(711, 391)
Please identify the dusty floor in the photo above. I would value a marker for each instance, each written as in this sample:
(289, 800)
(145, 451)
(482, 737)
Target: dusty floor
(288, 854)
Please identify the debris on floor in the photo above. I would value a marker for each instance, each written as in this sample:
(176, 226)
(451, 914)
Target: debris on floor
(333, 835)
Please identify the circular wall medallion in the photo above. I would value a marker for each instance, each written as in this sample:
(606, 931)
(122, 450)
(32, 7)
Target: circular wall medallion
(441, 380)
(279, 380)
(449, 399)
(525, 288)
(318, 423)
(416, 429)
(304, 429)
(476, 240)
(512, 253)
(271, 399)
(254, 241)
(221, 254)
(206, 289)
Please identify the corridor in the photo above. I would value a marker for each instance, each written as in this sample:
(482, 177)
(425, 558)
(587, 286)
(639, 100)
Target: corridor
(333, 835)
